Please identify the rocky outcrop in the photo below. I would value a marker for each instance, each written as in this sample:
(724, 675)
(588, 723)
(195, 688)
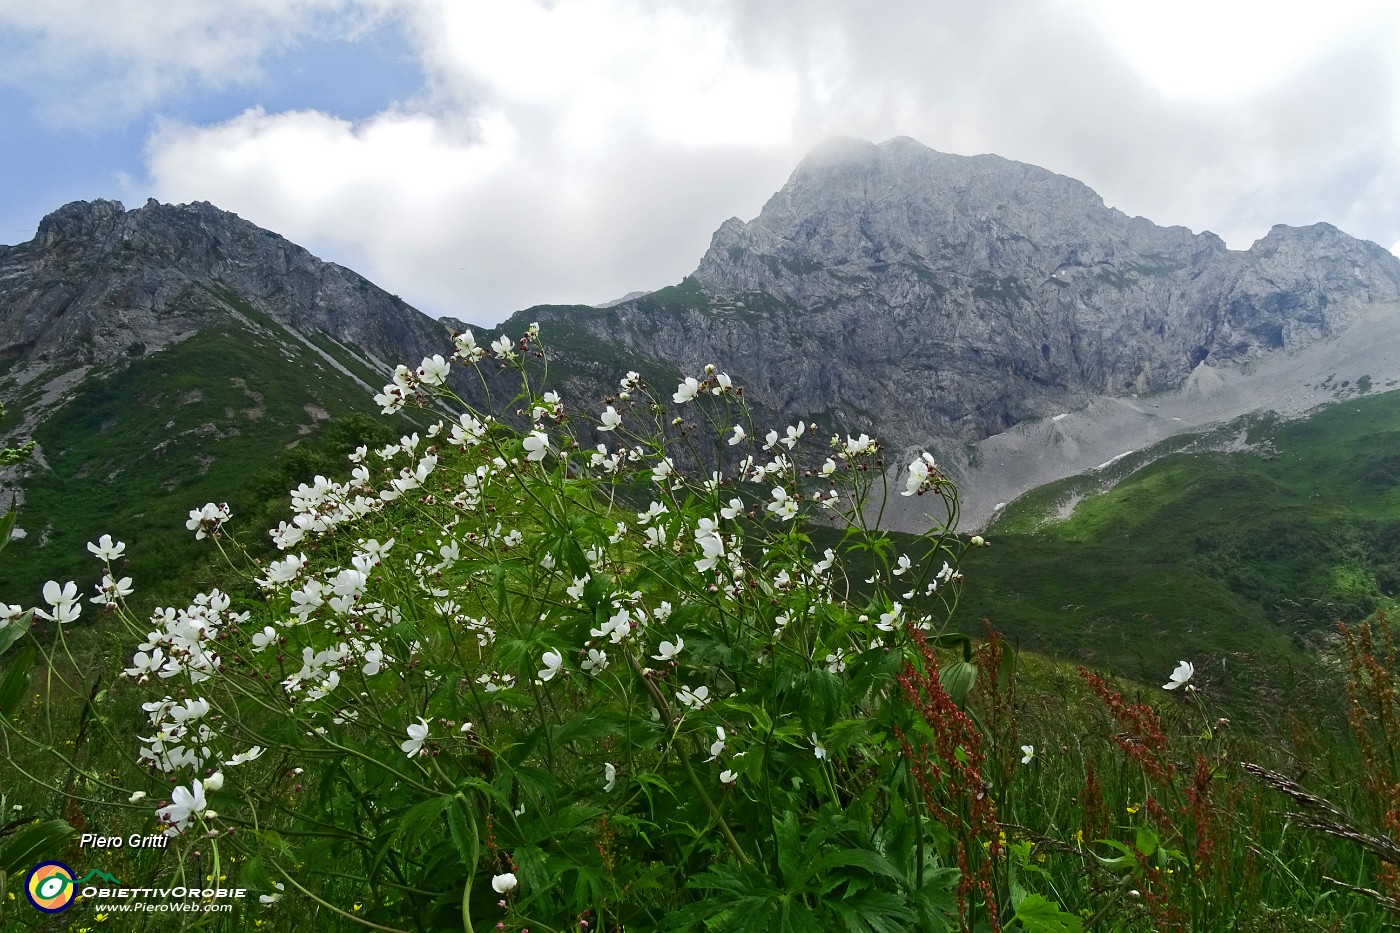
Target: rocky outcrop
(98, 282)
(928, 296)
(99, 286)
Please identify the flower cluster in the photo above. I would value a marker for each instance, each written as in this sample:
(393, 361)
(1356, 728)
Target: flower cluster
(186, 641)
(495, 597)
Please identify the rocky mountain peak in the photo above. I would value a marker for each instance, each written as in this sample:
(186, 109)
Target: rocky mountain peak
(81, 222)
(99, 285)
(943, 298)
(854, 206)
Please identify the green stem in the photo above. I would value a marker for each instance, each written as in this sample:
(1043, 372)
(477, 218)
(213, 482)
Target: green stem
(331, 907)
(714, 810)
(471, 868)
(664, 709)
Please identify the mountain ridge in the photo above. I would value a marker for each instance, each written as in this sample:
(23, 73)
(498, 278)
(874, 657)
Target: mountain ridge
(201, 243)
(934, 300)
(940, 300)
(100, 285)
(166, 356)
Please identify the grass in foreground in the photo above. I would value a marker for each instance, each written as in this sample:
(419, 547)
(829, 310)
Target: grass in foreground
(523, 714)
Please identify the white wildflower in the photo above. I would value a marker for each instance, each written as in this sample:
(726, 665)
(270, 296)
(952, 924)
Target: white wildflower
(667, 651)
(63, 600)
(433, 370)
(185, 807)
(1184, 672)
(783, 505)
(536, 445)
(686, 390)
(105, 549)
(717, 746)
(417, 735)
(553, 661)
(694, 697)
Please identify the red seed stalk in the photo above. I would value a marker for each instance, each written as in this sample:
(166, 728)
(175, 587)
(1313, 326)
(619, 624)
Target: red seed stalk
(949, 773)
(1142, 740)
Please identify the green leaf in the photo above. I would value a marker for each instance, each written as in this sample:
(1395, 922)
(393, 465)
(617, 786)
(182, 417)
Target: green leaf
(502, 602)
(15, 630)
(1038, 915)
(532, 865)
(1146, 841)
(1127, 859)
(421, 816)
(790, 850)
(875, 912)
(17, 679)
(820, 691)
(573, 556)
(953, 639)
(957, 678)
(7, 524)
(463, 838)
(589, 728)
(34, 843)
(872, 862)
(595, 592)
(761, 720)
(1008, 665)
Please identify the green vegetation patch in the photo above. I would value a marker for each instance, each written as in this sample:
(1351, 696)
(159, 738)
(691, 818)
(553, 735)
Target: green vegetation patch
(131, 454)
(1247, 555)
(676, 299)
(506, 700)
(346, 357)
(1007, 291)
(927, 276)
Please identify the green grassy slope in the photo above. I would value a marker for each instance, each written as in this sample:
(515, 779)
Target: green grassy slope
(1237, 561)
(579, 361)
(133, 452)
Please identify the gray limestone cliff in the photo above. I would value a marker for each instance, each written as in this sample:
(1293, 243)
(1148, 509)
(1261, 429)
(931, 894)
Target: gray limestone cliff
(930, 296)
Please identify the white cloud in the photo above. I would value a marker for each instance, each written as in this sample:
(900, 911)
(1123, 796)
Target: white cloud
(476, 224)
(600, 66)
(1214, 49)
(577, 149)
(93, 61)
(545, 128)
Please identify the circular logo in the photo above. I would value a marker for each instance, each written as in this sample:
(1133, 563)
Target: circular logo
(49, 887)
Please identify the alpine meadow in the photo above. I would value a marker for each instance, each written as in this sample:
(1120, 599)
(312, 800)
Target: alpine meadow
(947, 552)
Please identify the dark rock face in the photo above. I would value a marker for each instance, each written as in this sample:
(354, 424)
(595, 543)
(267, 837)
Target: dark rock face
(927, 295)
(98, 281)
